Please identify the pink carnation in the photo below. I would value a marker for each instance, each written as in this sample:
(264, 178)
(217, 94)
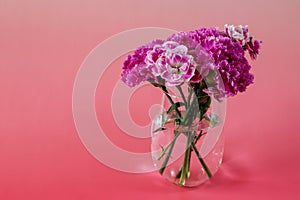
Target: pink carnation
(172, 62)
(239, 33)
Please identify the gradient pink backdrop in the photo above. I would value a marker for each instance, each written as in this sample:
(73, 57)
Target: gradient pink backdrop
(43, 43)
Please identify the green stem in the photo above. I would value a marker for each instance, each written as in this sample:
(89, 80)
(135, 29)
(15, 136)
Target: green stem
(179, 173)
(198, 137)
(187, 113)
(170, 99)
(190, 149)
(169, 145)
(164, 164)
(182, 95)
(184, 171)
(205, 167)
(189, 161)
(190, 95)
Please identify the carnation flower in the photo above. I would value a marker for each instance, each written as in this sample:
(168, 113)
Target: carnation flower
(171, 62)
(135, 70)
(253, 48)
(190, 56)
(228, 55)
(239, 33)
(177, 66)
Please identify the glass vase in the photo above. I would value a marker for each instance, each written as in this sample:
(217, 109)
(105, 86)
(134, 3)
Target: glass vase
(187, 142)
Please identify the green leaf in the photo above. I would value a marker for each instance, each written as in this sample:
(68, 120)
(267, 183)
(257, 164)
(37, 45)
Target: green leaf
(159, 129)
(175, 106)
(213, 120)
(210, 78)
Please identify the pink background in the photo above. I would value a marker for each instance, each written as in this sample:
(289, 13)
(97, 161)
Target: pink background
(43, 43)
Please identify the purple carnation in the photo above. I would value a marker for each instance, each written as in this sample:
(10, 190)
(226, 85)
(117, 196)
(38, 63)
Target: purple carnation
(227, 54)
(193, 56)
(135, 70)
(253, 48)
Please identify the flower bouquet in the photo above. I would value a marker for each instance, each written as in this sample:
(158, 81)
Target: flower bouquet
(193, 69)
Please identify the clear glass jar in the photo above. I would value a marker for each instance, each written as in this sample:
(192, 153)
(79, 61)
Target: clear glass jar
(187, 142)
